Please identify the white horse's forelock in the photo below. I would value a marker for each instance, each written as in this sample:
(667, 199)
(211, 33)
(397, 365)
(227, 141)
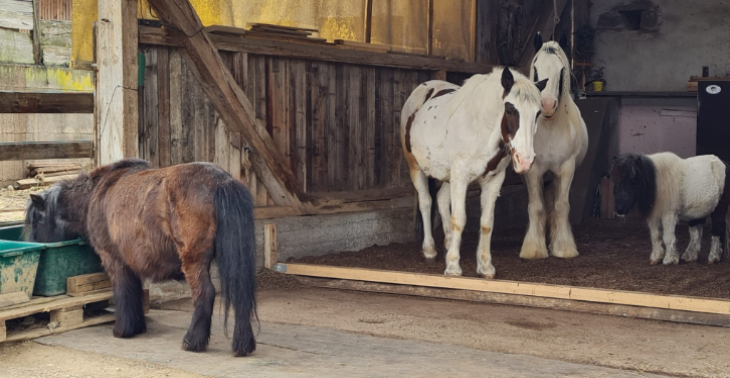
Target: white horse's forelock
(552, 48)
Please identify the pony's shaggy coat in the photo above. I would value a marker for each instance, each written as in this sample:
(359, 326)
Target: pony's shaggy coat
(160, 224)
(666, 189)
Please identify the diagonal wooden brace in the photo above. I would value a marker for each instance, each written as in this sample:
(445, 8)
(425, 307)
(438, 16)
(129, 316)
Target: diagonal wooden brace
(231, 103)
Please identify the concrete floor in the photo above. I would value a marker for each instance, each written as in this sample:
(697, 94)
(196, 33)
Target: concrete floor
(326, 333)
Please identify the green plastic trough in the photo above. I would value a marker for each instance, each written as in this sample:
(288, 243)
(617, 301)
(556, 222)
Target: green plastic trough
(57, 261)
(18, 266)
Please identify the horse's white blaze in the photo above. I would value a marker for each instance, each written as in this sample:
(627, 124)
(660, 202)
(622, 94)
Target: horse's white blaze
(560, 143)
(454, 134)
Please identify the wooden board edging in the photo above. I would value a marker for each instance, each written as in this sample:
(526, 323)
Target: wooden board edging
(615, 297)
(327, 53)
(676, 316)
(46, 102)
(71, 149)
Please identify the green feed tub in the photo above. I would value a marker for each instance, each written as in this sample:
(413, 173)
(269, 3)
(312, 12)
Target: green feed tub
(18, 266)
(58, 261)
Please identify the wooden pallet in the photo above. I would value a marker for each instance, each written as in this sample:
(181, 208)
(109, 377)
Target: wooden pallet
(66, 312)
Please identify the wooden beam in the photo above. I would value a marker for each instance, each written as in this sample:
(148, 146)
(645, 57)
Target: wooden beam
(231, 102)
(116, 92)
(318, 52)
(46, 102)
(545, 24)
(677, 316)
(271, 254)
(72, 149)
(616, 297)
(368, 20)
(36, 33)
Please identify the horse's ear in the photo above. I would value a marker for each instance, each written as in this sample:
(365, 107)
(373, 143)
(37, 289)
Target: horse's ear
(538, 41)
(507, 80)
(541, 84)
(39, 201)
(563, 42)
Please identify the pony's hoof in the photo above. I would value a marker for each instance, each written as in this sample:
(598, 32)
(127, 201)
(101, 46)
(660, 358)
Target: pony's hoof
(654, 262)
(687, 258)
(534, 255)
(452, 273)
(487, 276)
(193, 347)
(430, 260)
(129, 332)
(565, 254)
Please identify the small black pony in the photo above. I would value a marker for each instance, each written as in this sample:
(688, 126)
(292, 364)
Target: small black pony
(160, 224)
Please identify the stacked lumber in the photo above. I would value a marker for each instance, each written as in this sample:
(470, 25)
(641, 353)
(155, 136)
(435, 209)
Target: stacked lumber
(693, 80)
(43, 181)
(270, 31)
(282, 32)
(42, 174)
(87, 284)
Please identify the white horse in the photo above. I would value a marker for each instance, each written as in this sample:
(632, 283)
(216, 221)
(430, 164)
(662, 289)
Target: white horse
(666, 189)
(561, 143)
(458, 135)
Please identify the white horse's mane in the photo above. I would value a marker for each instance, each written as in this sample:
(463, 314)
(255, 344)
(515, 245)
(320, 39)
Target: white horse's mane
(479, 86)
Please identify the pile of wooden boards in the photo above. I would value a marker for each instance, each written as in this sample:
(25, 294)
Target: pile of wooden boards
(84, 304)
(269, 31)
(48, 173)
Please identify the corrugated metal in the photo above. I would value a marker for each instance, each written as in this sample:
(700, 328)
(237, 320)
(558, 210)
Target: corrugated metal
(57, 10)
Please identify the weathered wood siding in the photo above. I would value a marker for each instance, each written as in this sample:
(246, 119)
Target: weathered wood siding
(337, 124)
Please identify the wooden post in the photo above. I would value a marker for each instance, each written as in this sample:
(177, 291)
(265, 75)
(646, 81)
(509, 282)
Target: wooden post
(271, 256)
(368, 20)
(116, 92)
(438, 75)
(36, 32)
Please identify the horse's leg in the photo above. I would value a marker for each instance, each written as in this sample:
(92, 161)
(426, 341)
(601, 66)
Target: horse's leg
(669, 223)
(534, 247)
(196, 266)
(490, 192)
(657, 251)
(695, 240)
(458, 221)
(444, 201)
(719, 226)
(420, 181)
(562, 242)
(128, 298)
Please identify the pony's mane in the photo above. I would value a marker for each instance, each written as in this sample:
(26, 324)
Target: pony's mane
(479, 86)
(641, 169)
(553, 48)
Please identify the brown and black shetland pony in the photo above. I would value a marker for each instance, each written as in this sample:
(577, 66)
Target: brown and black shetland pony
(160, 224)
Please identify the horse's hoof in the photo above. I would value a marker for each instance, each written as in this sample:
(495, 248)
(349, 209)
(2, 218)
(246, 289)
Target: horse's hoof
(186, 346)
(455, 273)
(430, 260)
(654, 262)
(487, 276)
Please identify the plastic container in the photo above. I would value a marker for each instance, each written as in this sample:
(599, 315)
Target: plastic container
(58, 261)
(18, 266)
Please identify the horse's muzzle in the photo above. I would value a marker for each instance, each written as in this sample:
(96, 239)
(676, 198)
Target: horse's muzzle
(522, 163)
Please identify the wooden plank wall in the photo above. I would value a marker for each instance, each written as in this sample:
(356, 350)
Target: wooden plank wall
(337, 124)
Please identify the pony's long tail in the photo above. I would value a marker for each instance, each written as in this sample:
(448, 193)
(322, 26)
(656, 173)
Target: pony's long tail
(432, 190)
(235, 254)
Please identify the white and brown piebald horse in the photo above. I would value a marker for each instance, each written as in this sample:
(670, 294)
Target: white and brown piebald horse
(666, 189)
(561, 143)
(459, 135)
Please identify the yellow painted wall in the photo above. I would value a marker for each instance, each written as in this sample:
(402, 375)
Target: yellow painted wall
(401, 23)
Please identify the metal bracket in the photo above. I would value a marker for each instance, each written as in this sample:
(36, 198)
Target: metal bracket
(281, 268)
